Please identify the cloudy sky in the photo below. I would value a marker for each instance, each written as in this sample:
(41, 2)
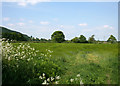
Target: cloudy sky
(72, 18)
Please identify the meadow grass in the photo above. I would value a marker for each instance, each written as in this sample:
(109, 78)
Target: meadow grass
(96, 63)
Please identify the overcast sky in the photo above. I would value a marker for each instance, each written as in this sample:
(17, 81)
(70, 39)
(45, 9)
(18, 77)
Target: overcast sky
(72, 18)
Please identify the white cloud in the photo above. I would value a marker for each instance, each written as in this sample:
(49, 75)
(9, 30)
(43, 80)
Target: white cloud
(67, 26)
(83, 24)
(22, 4)
(108, 26)
(21, 24)
(31, 2)
(6, 19)
(65, 0)
(10, 25)
(44, 22)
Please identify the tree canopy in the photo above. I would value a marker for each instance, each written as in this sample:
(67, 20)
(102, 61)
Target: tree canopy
(91, 39)
(14, 36)
(58, 36)
(112, 39)
(75, 40)
(82, 39)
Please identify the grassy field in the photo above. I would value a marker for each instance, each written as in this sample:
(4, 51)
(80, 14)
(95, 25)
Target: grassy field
(95, 63)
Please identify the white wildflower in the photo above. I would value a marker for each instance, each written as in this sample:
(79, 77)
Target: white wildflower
(33, 49)
(40, 77)
(78, 75)
(8, 58)
(81, 82)
(71, 80)
(52, 78)
(43, 74)
(48, 79)
(57, 77)
(45, 82)
(56, 82)
(28, 59)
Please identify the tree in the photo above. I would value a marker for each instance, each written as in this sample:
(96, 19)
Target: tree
(91, 39)
(82, 39)
(58, 36)
(112, 39)
(37, 39)
(43, 39)
(14, 36)
(75, 40)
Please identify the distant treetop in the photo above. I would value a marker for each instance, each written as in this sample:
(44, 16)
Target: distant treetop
(58, 36)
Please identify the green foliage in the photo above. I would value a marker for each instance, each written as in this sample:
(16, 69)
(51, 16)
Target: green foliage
(67, 41)
(96, 63)
(82, 39)
(91, 39)
(21, 64)
(13, 35)
(42, 39)
(58, 36)
(75, 40)
(112, 39)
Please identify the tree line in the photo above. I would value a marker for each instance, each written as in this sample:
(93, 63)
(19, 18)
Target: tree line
(14, 36)
(57, 37)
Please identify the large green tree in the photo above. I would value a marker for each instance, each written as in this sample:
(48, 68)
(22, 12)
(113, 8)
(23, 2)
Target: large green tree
(82, 39)
(58, 36)
(91, 39)
(112, 39)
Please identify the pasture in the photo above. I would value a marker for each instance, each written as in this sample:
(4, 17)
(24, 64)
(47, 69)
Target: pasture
(75, 63)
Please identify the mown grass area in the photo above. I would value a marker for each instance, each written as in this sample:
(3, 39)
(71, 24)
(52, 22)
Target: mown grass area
(96, 63)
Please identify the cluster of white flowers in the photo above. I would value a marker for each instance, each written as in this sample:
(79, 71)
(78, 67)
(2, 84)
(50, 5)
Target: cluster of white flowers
(7, 49)
(24, 51)
(49, 80)
(48, 54)
(77, 79)
(21, 51)
(49, 51)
